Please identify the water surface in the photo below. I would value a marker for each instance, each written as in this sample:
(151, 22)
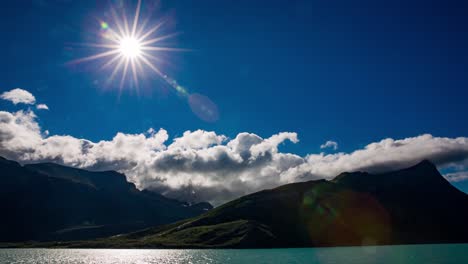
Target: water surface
(427, 254)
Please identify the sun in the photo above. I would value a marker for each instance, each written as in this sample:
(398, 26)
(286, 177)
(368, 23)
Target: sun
(130, 47)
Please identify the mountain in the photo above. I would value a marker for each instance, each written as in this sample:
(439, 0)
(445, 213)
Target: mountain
(48, 201)
(413, 205)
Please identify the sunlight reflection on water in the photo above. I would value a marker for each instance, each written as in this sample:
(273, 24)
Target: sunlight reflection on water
(410, 254)
(98, 256)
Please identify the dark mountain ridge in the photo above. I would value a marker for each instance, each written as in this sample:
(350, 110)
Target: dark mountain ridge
(47, 201)
(413, 205)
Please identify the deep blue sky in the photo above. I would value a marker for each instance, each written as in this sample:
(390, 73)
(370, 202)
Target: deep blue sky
(353, 73)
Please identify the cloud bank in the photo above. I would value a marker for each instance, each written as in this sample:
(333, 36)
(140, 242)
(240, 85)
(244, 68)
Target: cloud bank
(205, 166)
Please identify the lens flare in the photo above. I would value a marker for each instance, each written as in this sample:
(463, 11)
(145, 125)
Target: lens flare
(104, 25)
(204, 108)
(330, 214)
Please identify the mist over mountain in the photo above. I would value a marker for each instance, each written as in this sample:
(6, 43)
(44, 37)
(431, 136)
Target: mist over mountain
(47, 201)
(203, 165)
(413, 205)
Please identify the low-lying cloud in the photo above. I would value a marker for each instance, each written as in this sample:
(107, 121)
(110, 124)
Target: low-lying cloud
(205, 166)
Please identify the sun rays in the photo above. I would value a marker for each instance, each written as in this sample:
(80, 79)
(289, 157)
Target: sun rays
(128, 48)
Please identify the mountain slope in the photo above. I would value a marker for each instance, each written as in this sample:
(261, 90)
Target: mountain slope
(53, 202)
(414, 205)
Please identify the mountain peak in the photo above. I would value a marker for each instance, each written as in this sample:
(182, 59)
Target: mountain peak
(7, 161)
(424, 172)
(425, 163)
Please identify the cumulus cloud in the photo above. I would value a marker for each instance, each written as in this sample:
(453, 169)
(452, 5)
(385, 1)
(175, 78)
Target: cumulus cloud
(205, 166)
(19, 96)
(198, 139)
(42, 107)
(330, 144)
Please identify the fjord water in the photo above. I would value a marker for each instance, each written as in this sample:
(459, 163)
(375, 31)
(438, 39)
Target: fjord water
(411, 254)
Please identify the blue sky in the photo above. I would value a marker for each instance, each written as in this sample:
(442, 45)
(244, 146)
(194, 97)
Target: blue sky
(347, 72)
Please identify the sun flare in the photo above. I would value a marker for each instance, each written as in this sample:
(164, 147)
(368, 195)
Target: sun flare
(130, 47)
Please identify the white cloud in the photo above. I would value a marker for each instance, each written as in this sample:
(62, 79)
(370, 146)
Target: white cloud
(19, 96)
(387, 154)
(42, 107)
(202, 165)
(198, 139)
(457, 176)
(270, 145)
(330, 144)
